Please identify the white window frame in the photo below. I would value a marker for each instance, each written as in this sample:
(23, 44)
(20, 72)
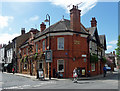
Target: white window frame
(43, 45)
(58, 43)
(58, 65)
(93, 68)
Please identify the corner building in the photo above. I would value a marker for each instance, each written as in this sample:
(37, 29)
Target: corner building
(68, 42)
(70, 45)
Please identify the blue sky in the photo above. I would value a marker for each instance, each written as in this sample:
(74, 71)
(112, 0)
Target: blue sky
(17, 15)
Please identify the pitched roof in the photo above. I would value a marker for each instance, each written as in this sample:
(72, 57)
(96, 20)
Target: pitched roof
(103, 41)
(9, 46)
(91, 30)
(62, 25)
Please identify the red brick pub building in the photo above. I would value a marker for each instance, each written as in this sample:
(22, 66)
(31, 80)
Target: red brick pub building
(70, 43)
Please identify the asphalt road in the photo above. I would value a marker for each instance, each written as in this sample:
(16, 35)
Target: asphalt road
(10, 81)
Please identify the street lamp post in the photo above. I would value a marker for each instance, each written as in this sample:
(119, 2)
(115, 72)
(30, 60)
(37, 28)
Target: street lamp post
(48, 20)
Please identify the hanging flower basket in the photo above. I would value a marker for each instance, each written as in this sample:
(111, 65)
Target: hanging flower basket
(26, 59)
(21, 60)
(40, 56)
(93, 58)
(104, 60)
(35, 56)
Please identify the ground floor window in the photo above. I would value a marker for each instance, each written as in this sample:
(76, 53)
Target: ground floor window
(40, 65)
(92, 66)
(25, 66)
(60, 65)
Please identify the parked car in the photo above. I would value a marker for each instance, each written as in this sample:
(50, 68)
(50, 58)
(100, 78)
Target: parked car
(107, 67)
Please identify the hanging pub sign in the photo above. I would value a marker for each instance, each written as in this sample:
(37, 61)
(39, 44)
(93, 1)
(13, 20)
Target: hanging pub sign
(48, 56)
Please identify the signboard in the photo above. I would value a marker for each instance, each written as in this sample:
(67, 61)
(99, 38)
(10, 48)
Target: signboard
(40, 74)
(48, 56)
(83, 55)
(83, 72)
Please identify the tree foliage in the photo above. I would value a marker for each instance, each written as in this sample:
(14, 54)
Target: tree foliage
(104, 60)
(93, 58)
(118, 49)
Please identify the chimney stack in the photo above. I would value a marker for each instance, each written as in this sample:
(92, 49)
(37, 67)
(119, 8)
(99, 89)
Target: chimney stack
(93, 22)
(9, 42)
(75, 18)
(42, 26)
(113, 52)
(22, 31)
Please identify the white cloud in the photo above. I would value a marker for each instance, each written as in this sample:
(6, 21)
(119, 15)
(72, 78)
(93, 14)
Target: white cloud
(113, 42)
(35, 18)
(109, 47)
(10, 29)
(5, 38)
(4, 21)
(48, 0)
(85, 6)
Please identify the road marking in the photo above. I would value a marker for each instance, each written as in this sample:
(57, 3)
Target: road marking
(23, 86)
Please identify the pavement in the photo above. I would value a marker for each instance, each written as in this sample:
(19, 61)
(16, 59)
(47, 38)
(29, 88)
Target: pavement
(81, 78)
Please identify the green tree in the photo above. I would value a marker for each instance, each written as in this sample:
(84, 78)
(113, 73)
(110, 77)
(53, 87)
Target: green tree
(118, 49)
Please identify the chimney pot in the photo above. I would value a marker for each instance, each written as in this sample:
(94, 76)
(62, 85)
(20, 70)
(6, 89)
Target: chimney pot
(42, 26)
(93, 22)
(113, 52)
(22, 31)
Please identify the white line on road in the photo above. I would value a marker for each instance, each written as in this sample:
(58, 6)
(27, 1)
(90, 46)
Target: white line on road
(23, 86)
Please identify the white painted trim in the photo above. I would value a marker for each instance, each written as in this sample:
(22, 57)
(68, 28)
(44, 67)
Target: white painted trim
(40, 38)
(24, 45)
(57, 34)
(53, 34)
(82, 35)
(84, 55)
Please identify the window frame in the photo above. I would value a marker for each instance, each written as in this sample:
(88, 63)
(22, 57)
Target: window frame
(43, 45)
(24, 66)
(92, 64)
(58, 65)
(26, 51)
(39, 64)
(36, 48)
(58, 39)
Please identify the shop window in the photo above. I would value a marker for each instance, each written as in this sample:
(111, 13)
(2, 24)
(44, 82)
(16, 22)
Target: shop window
(60, 44)
(60, 65)
(92, 66)
(25, 66)
(40, 65)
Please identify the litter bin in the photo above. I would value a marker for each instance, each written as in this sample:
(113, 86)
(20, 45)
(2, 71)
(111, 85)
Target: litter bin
(40, 74)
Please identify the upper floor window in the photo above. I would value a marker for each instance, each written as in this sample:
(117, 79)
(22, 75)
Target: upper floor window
(60, 43)
(23, 52)
(27, 51)
(43, 45)
(36, 48)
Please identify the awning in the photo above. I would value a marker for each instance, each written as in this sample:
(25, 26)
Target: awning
(5, 65)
